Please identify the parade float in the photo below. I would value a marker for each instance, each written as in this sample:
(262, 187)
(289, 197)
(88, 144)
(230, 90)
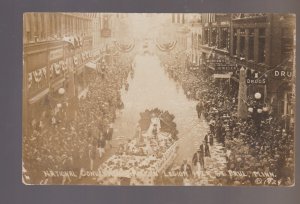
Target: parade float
(143, 158)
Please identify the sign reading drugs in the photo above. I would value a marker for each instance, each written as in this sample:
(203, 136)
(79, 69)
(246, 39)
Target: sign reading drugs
(256, 79)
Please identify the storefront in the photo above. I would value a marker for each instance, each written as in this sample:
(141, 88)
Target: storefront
(283, 104)
(81, 62)
(36, 86)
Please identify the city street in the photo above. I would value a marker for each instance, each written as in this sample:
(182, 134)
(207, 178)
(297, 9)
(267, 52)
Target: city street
(158, 99)
(151, 88)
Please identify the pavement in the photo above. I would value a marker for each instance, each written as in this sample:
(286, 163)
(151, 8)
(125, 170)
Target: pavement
(151, 88)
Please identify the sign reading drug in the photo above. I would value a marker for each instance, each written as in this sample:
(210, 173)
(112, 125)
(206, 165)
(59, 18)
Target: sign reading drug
(281, 74)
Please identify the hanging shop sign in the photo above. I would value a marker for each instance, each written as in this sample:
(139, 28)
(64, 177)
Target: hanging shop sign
(225, 67)
(222, 76)
(215, 61)
(256, 79)
(282, 74)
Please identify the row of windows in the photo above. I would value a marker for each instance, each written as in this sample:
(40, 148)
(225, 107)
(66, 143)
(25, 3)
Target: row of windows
(47, 26)
(178, 18)
(220, 38)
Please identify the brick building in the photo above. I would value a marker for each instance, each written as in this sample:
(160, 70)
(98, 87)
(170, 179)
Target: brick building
(56, 50)
(263, 43)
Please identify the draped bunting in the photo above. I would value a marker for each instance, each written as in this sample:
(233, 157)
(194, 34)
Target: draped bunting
(63, 66)
(57, 68)
(38, 74)
(75, 59)
(30, 78)
(44, 70)
(51, 71)
(125, 47)
(75, 41)
(166, 47)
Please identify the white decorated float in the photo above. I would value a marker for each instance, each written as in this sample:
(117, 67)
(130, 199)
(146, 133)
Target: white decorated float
(142, 159)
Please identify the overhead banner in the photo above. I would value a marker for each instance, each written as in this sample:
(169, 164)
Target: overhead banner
(222, 76)
(225, 67)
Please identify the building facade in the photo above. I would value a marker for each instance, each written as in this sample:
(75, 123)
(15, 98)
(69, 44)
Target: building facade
(181, 30)
(263, 43)
(56, 49)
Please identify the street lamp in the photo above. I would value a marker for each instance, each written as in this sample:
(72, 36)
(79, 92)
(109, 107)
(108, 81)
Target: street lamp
(265, 109)
(259, 110)
(257, 96)
(61, 91)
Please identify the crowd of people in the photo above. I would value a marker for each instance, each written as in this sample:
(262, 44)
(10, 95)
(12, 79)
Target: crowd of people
(259, 147)
(78, 144)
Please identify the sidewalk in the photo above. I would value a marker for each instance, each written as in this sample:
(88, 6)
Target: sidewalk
(215, 165)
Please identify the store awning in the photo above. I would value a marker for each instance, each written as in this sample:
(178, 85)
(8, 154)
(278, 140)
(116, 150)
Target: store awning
(57, 84)
(210, 67)
(38, 96)
(91, 65)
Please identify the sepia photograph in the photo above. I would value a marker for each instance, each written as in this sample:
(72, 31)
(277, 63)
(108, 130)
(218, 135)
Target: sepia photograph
(159, 99)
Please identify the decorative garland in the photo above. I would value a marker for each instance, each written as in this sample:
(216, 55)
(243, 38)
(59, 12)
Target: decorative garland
(63, 66)
(44, 72)
(57, 68)
(166, 47)
(75, 60)
(38, 74)
(30, 79)
(125, 48)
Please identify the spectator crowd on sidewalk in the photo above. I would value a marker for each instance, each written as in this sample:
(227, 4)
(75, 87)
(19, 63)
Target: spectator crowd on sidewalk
(60, 144)
(265, 146)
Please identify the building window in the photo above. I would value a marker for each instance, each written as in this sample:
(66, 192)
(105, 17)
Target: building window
(224, 38)
(205, 36)
(286, 43)
(199, 41)
(251, 32)
(27, 27)
(43, 35)
(262, 32)
(261, 50)
(242, 32)
(214, 37)
(251, 48)
(234, 45)
(242, 46)
(261, 45)
(251, 44)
